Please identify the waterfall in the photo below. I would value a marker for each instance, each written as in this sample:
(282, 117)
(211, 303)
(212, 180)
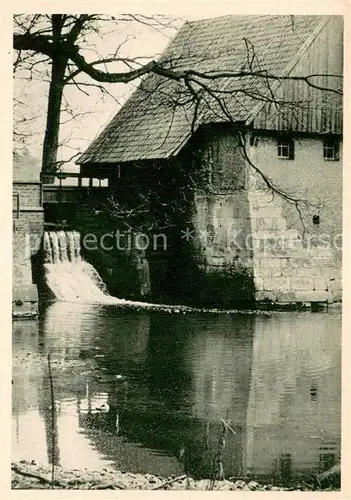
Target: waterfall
(68, 275)
(72, 279)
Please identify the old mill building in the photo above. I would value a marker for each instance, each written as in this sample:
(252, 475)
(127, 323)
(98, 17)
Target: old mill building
(253, 163)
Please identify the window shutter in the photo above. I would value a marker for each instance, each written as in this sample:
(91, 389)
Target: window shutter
(292, 150)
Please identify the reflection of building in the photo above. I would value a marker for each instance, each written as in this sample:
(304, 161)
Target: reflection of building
(277, 386)
(67, 327)
(25, 344)
(293, 422)
(220, 359)
(167, 381)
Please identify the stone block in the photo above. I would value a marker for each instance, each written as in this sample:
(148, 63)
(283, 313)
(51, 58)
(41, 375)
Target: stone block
(286, 297)
(300, 262)
(262, 198)
(268, 249)
(292, 234)
(265, 296)
(301, 283)
(259, 284)
(268, 211)
(216, 260)
(281, 283)
(288, 272)
(337, 295)
(335, 288)
(268, 223)
(300, 272)
(262, 272)
(331, 273)
(275, 272)
(313, 296)
(325, 262)
(25, 293)
(321, 252)
(315, 272)
(279, 250)
(319, 284)
(269, 262)
(265, 234)
(299, 252)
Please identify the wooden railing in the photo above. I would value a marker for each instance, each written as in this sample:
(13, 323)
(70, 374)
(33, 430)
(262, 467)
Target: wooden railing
(71, 194)
(62, 192)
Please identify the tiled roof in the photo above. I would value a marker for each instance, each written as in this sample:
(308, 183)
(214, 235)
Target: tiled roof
(152, 124)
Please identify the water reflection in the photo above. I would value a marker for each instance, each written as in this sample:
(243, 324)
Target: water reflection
(293, 419)
(145, 392)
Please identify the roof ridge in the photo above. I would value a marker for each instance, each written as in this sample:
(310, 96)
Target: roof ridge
(204, 19)
(234, 16)
(292, 63)
(152, 128)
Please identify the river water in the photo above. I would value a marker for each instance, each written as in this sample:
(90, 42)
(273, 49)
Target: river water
(146, 391)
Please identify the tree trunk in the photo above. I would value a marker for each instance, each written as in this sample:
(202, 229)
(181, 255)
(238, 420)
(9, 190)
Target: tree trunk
(51, 138)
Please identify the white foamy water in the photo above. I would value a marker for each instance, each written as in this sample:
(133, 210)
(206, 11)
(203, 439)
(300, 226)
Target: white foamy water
(68, 275)
(71, 278)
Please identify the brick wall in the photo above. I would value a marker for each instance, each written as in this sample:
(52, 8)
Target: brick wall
(28, 227)
(29, 193)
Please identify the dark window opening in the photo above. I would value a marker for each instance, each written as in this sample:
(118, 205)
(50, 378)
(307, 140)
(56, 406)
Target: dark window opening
(331, 147)
(313, 393)
(286, 149)
(316, 220)
(326, 461)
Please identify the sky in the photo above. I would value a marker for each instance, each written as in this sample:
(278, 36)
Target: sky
(94, 113)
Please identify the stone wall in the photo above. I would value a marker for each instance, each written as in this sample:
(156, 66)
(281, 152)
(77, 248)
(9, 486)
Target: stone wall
(285, 269)
(289, 258)
(28, 227)
(223, 225)
(311, 178)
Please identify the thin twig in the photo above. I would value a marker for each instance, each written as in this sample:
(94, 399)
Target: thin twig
(108, 486)
(227, 426)
(179, 478)
(39, 477)
(52, 425)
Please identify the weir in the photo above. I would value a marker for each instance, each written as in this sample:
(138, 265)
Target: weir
(68, 275)
(72, 279)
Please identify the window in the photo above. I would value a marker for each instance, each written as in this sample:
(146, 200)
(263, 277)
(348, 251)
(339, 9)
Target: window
(285, 463)
(326, 461)
(327, 456)
(331, 148)
(313, 393)
(286, 149)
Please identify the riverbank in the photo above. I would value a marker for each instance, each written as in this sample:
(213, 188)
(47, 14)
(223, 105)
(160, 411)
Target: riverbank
(30, 475)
